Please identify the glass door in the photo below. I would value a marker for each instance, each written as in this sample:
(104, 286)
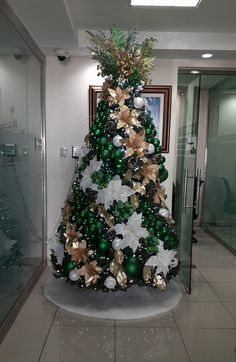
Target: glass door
(22, 166)
(219, 203)
(188, 96)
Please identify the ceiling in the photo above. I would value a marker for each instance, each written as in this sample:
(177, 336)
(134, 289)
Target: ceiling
(181, 32)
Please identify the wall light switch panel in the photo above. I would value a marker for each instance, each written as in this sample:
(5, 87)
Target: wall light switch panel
(63, 151)
(76, 150)
(10, 149)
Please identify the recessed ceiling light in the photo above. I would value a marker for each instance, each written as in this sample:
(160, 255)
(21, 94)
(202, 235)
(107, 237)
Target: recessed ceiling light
(180, 3)
(194, 72)
(207, 55)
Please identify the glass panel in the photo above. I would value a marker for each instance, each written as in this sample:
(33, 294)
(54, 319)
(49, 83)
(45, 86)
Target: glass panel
(188, 95)
(220, 185)
(20, 167)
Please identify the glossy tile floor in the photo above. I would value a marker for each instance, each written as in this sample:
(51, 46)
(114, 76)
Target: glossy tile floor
(201, 329)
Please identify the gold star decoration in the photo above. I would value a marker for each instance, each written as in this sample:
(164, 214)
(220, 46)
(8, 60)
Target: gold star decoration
(126, 118)
(90, 272)
(79, 251)
(118, 96)
(135, 143)
(149, 172)
(160, 196)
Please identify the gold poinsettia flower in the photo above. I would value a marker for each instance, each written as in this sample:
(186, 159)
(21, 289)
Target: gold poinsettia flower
(71, 235)
(90, 272)
(79, 252)
(135, 143)
(118, 96)
(149, 172)
(160, 196)
(126, 118)
(138, 187)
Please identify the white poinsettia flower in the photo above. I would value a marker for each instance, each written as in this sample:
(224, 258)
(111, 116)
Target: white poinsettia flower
(86, 181)
(131, 232)
(162, 259)
(114, 191)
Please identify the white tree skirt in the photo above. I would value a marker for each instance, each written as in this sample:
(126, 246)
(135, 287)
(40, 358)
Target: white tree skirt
(135, 303)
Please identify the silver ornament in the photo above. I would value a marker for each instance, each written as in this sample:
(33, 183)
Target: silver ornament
(174, 262)
(116, 141)
(110, 283)
(151, 148)
(163, 212)
(138, 102)
(116, 243)
(74, 275)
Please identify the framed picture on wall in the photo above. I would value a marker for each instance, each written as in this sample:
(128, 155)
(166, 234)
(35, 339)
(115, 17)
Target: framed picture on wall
(158, 101)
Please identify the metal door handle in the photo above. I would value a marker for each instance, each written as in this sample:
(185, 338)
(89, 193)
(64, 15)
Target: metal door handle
(198, 190)
(186, 177)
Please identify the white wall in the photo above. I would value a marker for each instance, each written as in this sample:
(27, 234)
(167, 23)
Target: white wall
(67, 122)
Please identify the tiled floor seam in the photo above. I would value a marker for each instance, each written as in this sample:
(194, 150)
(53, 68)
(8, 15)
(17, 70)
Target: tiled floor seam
(115, 341)
(49, 330)
(181, 337)
(229, 312)
(208, 284)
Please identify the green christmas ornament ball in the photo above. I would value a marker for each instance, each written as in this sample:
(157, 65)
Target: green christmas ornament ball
(103, 244)
(132, 266)
(156, 142)
(103, 141)
(163, 175)
(67, 264)
(105, 154)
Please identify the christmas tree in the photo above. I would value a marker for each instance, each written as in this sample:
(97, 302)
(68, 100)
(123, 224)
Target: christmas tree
(116, 229)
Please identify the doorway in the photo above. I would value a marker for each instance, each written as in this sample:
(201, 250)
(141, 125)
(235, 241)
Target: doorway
(206, 163)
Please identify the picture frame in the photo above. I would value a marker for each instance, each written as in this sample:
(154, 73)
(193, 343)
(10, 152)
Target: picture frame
(158, 100)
